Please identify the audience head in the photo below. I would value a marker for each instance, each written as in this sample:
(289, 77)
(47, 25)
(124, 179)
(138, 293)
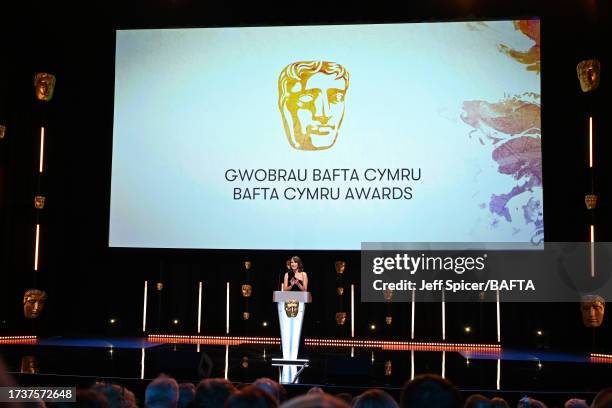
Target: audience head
(162, 392)
(186, 395)
(272, 387)
(527, 402)
(116, 395)
(251, 396)
(315, 400)
(213, 392)
(374, 399)
(430, 390)
(477, 401)
(346, 397)
(498, 402)
(603, 399)
(575, 403)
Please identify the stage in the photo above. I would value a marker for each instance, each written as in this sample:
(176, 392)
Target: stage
(335, 365)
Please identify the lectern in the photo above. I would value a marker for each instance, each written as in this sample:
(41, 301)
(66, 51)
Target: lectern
(291, 306)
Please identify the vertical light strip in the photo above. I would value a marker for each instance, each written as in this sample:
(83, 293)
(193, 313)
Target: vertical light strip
(444, 364)
(226, 353)
(36, 246)
(352, 351)
(443, 318)
(227, 306)
(498, 317)
(142, 363)
(144, 308)
(498, 373)
(412, 318)
(198, 348)
(199, 306)
(42, 149)
(352, 310)
(592, 248)
(411, 365)
(590, 142)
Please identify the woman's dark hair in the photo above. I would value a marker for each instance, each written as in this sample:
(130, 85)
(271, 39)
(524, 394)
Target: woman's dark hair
(299, 262)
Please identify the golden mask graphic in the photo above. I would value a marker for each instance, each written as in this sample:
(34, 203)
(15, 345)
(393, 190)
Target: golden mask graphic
(291, 308)
(593, 308)
(340, 290)
(39, 202)
(159, 286)
(388, 294)
(341, 318)
(311, 97)
(33, 303)
(29, 365)
(247, 290)
(44, 84)
(388, 367)
(340, 266)
(588, 74)
(246, 315)
(591, 201)
(247, 265)
(2, 131)
(389, 320)
(245, 362)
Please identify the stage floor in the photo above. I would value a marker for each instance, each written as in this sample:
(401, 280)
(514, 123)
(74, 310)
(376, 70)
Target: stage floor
(471, 369)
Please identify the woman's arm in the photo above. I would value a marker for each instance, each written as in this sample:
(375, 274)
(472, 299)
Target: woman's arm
(285, 284)
(304, 286)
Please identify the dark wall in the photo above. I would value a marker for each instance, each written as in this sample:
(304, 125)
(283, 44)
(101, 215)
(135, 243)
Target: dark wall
(89, 283)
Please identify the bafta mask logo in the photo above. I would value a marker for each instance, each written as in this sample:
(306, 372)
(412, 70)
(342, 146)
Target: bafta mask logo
(291, 308)
(592, 308)
(247, 265)
(2, 131)
(340, 290)
(33, 303)
(340, 318)
(588, 74)
(39, 202)
(29, 365)
(245, 315)
(340, 266)
(44, 84)
(311, 97)
(247, 290)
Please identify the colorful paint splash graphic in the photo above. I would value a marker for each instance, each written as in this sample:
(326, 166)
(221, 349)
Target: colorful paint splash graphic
(512, 127)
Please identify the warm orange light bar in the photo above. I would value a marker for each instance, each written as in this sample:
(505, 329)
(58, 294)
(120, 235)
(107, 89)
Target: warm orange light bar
(590, 142)
(36, 246)
(388, 345)
(42, 149)
(592, 251)
(18, 339)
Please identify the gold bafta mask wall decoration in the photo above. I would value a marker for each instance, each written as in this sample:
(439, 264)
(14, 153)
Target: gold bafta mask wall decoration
(29, 365)
(340, 266)
(588, 74)
(389, 320)
(39, 202)
(388, 294)
(33, 303)
(593, 308)
(388, 368)
(247, 265)
(247, 290)
(159, 286)
(291, 308)
(311, 98)
(340, 318)
(246, 315)
(245, 362)
(44, 84)
(591, 201)
(340, 290)
(2, 131)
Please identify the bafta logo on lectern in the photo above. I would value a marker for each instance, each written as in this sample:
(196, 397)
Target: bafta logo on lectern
(311, 97)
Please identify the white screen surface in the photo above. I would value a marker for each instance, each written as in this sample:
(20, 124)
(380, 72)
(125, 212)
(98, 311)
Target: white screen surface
(427, 133)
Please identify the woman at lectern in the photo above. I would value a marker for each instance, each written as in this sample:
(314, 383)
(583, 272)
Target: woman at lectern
(296, 279)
